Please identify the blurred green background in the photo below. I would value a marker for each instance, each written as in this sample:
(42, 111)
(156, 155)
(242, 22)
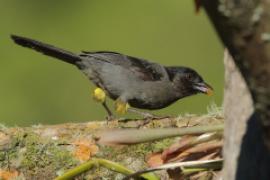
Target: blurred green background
(38, 89)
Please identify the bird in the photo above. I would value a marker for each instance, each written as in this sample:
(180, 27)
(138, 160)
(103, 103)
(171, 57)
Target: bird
(133, 83)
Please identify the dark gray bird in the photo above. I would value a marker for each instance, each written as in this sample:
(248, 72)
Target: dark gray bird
(130, 81)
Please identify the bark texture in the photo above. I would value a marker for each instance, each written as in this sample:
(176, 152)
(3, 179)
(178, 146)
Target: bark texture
(244, 28)
(237, 110)
(245, 154)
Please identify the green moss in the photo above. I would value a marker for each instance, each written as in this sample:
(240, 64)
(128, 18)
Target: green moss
(161, 145)
(42, 152)
(10, 151)
(40, 156)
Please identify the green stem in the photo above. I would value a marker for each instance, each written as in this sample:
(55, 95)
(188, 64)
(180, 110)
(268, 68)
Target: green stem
(205, 164)
(188, 171)
(105, 163)
(77, 170)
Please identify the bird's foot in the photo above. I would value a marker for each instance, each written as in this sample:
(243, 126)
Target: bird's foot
(121, 107)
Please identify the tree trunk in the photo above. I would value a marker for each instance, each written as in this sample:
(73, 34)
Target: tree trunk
(245, 155)
(244, 28)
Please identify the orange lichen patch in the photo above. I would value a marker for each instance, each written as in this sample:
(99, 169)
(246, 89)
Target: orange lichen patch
(85, 149)
(155, 160)
(6, 175)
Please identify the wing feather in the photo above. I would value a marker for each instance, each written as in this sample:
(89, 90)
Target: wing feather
(141, 68)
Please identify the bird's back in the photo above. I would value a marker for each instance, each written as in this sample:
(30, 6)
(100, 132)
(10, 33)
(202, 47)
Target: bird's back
(141, 68)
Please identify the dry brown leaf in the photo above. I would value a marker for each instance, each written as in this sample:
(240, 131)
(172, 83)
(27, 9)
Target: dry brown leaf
(85, 149)
(7, 175)
(177, 147)
(213, 155)
(197, 151)
(204, 147)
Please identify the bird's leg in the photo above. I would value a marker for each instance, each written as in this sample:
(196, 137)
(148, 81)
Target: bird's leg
(100, 96)
(109, 112)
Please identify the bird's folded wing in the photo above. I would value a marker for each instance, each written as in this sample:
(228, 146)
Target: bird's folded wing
(141, 68)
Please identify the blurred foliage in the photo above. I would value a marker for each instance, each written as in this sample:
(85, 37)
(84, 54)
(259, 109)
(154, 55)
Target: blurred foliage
(38, 89)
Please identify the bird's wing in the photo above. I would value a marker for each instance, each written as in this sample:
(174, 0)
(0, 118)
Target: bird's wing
(143, 69)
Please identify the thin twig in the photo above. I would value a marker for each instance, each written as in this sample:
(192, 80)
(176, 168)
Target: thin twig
(134, 136)
(207, 164)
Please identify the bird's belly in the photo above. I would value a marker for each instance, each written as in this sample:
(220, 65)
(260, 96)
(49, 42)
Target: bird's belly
(153, 98)
(140, 94)
(141, 104)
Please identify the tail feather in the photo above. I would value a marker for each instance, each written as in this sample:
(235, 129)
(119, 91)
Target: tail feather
(47, 49)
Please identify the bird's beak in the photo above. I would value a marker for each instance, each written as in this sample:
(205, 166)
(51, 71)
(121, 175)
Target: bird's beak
(204, 88)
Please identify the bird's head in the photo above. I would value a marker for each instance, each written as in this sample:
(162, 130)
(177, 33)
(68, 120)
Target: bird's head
(188, 81)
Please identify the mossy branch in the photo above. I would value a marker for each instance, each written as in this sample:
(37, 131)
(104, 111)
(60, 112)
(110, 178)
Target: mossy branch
(50, 151)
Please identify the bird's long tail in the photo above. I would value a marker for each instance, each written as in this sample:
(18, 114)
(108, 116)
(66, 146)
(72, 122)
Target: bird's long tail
(47, 49)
